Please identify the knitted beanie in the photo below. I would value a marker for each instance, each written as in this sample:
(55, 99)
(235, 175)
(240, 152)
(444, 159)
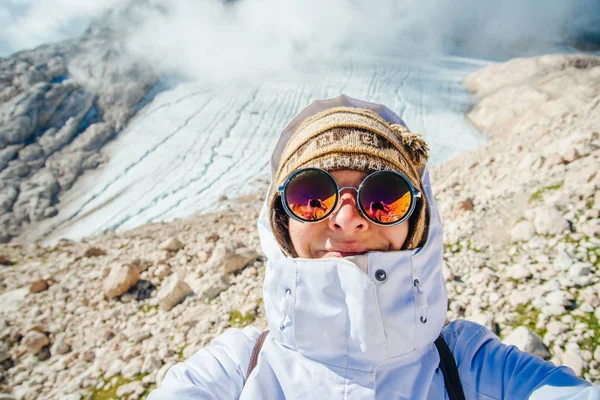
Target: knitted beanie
(346, 138)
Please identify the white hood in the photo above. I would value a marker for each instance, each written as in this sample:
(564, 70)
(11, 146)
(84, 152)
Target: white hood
(335, 313)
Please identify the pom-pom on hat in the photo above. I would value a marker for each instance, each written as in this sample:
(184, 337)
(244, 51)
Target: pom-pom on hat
(349, 138)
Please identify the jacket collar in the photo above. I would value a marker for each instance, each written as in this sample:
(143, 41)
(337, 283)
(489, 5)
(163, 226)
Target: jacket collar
(331, 311)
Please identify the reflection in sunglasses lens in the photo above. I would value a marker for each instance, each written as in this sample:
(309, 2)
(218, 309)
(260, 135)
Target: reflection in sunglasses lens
(311, 195)
(385, 197)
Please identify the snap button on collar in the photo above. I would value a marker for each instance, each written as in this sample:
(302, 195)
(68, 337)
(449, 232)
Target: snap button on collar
(380, 275)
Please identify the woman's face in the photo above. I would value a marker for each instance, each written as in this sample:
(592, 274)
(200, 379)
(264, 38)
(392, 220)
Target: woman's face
(346, 232)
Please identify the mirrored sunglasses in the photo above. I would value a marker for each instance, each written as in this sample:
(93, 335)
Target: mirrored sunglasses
(384, 197)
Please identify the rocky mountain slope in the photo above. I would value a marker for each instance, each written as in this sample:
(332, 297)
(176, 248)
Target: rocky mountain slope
(106, 317)
(59, 104)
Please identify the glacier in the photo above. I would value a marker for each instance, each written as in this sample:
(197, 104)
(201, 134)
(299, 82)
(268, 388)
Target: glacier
(196, 142)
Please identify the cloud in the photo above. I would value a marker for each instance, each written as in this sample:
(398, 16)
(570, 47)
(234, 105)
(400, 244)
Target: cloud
(249, 38)
(26, 24)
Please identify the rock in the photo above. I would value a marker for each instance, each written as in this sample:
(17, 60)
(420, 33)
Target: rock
(556, 327)
(4, 260)
(549, 221)
(162, 271)
(519, 272)
(573, 361)
(563, 260)
(552, 310)
(464, 205)
(59, 346)
(579, 269)
(527, 340)
(522, 231)
(211, 285)
(38, 286)
(231, 259)
(94, 252)
(559, 298)
(133, 368)
(591, 230)
(120, 279)
(115, 368)
(171, 244)
(34, 341)
(4, 354)
(172, 292)
(44, 353)
(151, 365)
(135, 387)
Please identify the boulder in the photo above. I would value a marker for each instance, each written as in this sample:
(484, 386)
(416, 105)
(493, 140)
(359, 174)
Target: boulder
(559, 298)
(527, 340)
(151, 365)
(94, 252)
(59, 346)
(549, 221)
(231, 259)
(133, 368)
(120, 278)
(519, 272)
(171, 244)
(211, 285)
(464, 205)
(172, 292)
(34, 341)
(38, 286)
(522, 231)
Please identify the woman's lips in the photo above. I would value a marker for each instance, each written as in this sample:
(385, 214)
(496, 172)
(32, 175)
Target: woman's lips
(335, 253)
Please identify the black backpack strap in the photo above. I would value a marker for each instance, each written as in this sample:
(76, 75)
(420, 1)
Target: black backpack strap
(256, 351)
(449, 370)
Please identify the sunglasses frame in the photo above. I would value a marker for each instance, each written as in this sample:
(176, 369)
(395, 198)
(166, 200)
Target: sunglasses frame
(415, 195)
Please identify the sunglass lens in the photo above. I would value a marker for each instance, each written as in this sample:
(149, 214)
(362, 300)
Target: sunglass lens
(311, 195)
(386, 197)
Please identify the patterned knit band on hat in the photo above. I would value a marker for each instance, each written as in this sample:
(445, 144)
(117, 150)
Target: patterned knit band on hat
(346, 138)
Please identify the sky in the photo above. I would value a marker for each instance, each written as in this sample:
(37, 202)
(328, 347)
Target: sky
(26, 24)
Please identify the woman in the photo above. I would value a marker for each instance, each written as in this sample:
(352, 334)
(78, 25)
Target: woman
(354, 293)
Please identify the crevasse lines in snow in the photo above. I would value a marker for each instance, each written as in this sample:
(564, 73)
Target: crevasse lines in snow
(284, 110)
(241, 167)
(163, 179)
(94, 196)
(175, 175)
(151, 111)
(246, 166)
(203, 173)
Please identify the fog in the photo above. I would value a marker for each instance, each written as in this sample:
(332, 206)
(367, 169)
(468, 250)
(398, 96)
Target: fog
(256, 37)
(252, 38)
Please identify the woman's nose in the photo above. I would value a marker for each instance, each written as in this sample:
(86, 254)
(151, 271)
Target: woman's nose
(347, 217)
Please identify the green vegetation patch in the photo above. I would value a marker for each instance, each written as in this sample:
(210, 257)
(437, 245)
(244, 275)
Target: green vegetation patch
(238, 320)
(527, 316)
(111, 393)
(540, 193)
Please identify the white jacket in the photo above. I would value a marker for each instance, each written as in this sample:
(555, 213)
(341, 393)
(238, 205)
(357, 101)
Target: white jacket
(339, 333)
